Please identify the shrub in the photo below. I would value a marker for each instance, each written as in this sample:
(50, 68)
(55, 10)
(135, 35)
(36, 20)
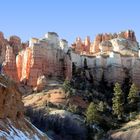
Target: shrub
(72, 108)
(92, 115)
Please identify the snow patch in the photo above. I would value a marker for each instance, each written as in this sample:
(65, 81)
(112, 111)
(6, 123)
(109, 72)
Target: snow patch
(16, 134)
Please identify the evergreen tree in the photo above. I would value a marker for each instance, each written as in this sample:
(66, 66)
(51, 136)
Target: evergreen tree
(101, 106)
(133, 95)
(126, 84)
(118, 101)
(92, 115)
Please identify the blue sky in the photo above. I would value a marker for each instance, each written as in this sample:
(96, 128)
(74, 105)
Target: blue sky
(69, 18)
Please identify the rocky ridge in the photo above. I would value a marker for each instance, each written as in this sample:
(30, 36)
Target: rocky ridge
(50, 57)
(88, 47)
(45, 57)
(13, 124)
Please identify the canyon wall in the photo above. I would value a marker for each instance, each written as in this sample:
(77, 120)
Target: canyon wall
(111, 55)
(13, 124)
(44, 57)
(49, 57)
(95, 46)
(11, 105)
(101, 42)
(81, 47)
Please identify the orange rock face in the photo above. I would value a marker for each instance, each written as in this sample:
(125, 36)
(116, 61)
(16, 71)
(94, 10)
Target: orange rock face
(91, 48)
(40, 60)
(3, 44)
(105, 37)
(15, 43)
(11, 105)
(8, 51)
(9, 65)
(82, 47)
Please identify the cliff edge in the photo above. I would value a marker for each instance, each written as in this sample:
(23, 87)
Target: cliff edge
(13, 125)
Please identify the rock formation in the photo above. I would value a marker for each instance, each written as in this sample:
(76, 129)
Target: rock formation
(9, 98)
(9, 65)
(51, 57)
(3, 43)
(129, 35)
(15, 43)
(41, 83)
(110, 55)
(87, 47)
(81, 47)
(13, 125)
(8, 51)
(44, 57)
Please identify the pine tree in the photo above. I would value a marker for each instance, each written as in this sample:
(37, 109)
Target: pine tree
(101, 106)
(126, 85)
(92, 115)
(133, 95)
(118, 101)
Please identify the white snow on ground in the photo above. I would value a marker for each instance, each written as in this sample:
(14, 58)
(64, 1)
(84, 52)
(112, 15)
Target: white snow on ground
(16, 134)
(2, 85)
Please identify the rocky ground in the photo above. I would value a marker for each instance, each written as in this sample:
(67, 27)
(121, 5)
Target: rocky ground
(53, 103)
(13, 124)
(129, 131)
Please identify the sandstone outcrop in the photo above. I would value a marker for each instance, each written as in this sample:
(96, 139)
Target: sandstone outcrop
(41, 83)
(87, 47)
(47, 56)
(8, 51)
(9, 65)
(51, 57)
(3, 43)
(110, 55)
(128, 35)
(44, 57)
(11, 105)
(15, 43)
(82, 47)
(13, 125)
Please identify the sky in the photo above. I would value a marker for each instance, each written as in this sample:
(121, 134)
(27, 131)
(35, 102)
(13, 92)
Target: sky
(69, 18)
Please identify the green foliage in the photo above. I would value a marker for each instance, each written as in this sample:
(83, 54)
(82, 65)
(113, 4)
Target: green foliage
(101, 106)
(118, 101)
(133, 94)
(72, 108)
(126, 84)
(133, 115)
(67, 86)
(92, 115)
(105, 89)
